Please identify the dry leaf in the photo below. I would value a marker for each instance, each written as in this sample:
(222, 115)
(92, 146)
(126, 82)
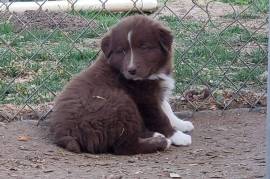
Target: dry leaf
(23, 138)
(205, 93)
(213, 107)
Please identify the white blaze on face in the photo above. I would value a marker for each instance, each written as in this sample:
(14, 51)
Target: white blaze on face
(131, 63)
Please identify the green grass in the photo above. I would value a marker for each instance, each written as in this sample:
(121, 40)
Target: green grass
(257, 56)
(35, 63)
(38, 70)
(5, 28)
(214, 53)
(237, 2)
(261, 5)
(255, 5)
(244, 73)
(247, 15)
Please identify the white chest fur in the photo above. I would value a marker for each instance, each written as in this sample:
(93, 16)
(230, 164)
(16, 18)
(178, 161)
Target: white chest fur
(167, 84)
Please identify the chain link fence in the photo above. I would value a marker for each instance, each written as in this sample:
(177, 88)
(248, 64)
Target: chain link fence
(220, 51)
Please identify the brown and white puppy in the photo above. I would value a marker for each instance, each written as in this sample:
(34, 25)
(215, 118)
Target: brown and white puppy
(120, 103)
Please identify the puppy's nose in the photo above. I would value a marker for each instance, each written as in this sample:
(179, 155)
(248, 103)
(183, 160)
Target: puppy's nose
(132, 71)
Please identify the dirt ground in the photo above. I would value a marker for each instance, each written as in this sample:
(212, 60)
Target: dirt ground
(46, 21)
(228, 145)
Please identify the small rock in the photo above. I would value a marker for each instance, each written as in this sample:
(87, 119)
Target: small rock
(113, 177)
(102, 164)
(23, 138)
(259, 158)
(23, 148)
(48, 171)
(2, 124)
(204, 172)
(138, 172)
(174, 175)
(13, 169)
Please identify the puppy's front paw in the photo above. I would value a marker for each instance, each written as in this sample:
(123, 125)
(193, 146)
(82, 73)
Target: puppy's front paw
(187, 126)
(184, 126)
(159, 135)
(179, 138)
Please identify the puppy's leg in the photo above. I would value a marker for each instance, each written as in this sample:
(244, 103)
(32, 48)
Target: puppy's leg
(148, 142)
(156, 120)
(176, 123)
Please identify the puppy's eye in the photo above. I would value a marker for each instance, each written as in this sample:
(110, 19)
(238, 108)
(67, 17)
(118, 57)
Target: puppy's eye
(120, 50)
(145, 46)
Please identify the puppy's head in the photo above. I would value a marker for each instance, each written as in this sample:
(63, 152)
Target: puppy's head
(139, 48)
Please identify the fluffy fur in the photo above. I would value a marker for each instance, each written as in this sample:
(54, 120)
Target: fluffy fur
(119, 104)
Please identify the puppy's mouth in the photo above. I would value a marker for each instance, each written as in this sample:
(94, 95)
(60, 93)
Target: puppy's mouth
(132, 77)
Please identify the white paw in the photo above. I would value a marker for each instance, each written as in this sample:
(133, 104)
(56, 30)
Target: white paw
(179, 138)
(157, 134)
(183, 126)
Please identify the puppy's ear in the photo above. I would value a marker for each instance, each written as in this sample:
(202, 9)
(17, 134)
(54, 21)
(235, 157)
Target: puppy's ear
(106, 46)
(166, 39)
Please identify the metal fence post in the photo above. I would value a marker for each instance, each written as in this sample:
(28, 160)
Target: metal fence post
(268, 111)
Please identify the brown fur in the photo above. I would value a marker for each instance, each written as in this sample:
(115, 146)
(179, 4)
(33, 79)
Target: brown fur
(105, 109)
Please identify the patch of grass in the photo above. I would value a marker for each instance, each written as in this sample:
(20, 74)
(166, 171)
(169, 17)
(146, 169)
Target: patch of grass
(208, 59)
(247, 74)
(261, 6)
(8, 65)
(5, 28)
(237, 29)
(257, 56)
(238, 34)
(256, 6)
(6, 32)
(44, 72)
(43, 61)
(40, 36)
(259, 38)
(248, 15)
(175, 24)
(237, 2)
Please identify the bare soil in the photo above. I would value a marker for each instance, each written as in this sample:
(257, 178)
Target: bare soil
(43, 20)
(229, 144)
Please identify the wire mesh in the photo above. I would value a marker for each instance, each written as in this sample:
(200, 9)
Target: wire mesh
(220, 52)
